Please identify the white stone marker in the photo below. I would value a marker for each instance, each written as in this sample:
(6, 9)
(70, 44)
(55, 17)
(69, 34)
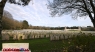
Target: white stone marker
(47, 36)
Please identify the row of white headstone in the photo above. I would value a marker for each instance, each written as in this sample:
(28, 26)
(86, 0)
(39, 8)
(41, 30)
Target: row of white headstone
(6, 36)
(29, 35)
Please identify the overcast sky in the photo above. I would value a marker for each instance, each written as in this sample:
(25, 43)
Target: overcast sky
(37, 14)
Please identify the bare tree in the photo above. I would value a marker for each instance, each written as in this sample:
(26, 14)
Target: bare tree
(7, 14)
(81, 8)
(2, 4)
(7, 20)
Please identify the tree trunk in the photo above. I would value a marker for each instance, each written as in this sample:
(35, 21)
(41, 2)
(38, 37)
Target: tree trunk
(94, 23)
(2, 4)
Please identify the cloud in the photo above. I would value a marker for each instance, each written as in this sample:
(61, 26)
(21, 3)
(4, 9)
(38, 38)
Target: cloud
(38, 14)
(16, 10)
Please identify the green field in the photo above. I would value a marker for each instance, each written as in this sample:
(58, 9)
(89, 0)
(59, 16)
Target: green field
(40, 44)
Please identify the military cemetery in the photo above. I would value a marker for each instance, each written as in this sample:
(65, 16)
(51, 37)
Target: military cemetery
(33, 34)
(31, 21)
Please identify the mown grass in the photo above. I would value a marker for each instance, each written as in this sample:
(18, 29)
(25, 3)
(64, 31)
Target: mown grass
(80, 43)
(40, 44)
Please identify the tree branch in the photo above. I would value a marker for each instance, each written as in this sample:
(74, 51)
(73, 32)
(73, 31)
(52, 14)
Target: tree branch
(3, 3)
(88, 11)
(93, 7)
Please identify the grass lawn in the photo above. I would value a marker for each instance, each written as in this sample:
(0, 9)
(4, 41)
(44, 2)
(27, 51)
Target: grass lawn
(40, 44)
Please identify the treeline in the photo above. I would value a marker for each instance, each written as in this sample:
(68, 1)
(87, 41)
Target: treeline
(46, 28)
(9, 23)
(88, 29)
